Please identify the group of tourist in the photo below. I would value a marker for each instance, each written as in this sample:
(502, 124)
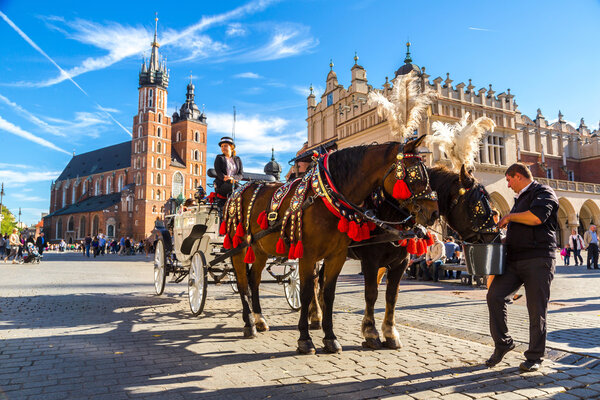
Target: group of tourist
(13, 247)
(98, 245)
(427, 266)
(576, 243)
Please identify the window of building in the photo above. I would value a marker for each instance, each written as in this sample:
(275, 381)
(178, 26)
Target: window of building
(160, 116)
(158, 163)
(195, 183)
(73, 191)
(120, 187)
(571, 176)
(549, 173)
(97, 188)
(82, 232)
(110, 231)
(196, 136)
(143, 146)
(64, 197)
(138, 179)
(109, 185)
(159, 147)
(150, 97)
(178, 137)
(329, 99)
(177, 188)
(158, 179)
(160, 100)
(140, 132)
(196, 169)
(59, 233)
(70, 224)
(495, 147)
(159, 131)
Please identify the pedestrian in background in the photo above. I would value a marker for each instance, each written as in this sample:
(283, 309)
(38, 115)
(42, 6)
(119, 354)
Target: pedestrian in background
(529, 262)
(87, 243)
(590, 239)
(576, 244)
(13, 244)
(40, 243)
(2, 245)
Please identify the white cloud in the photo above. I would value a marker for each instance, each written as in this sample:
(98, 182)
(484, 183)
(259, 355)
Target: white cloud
(10, 176)
(257, 134)
(15, 130)
(248, 75)
(472, 28)
(37, 121)
(235, 29)
(305, 91)
(287, 41)
(22, 196)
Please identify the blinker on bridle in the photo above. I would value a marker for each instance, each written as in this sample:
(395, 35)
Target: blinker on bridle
(409, 175)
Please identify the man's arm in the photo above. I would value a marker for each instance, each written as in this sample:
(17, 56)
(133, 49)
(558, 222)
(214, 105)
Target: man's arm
(525, 218)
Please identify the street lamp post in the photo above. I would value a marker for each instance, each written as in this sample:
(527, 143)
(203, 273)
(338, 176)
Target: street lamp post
(1, 197)
(19, 218)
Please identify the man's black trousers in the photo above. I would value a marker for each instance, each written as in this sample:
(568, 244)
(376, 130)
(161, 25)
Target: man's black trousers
(592, 257)
(536, 274)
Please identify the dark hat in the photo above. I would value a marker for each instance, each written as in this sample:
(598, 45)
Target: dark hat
(226, 139)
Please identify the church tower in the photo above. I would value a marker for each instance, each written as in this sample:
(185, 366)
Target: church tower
(150, 144)
(189, 140)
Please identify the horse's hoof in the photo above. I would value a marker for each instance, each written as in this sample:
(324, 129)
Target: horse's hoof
(332, 346)
(262, 326)
(314, 325)
(306, 347)
(372, 343)
(249, 332)
(392, 343)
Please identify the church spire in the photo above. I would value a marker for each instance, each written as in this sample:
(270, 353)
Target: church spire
(154, 61)
(155, 72)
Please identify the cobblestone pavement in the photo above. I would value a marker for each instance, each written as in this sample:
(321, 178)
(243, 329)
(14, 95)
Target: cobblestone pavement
(94, 329)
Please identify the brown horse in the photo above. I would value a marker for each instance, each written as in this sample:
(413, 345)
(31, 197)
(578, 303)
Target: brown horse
(465, 205)
(356, 172)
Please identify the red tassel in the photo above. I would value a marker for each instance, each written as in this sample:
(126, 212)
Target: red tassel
(411, 247)
(240, 230)
(421, 247)
(352, 230)
(299, 250)
(366, 233)
(250, 257)
(280, 248)
(429, 239)
(236, 241)
(401, 191)
(403, 242)
(262, 220)
(343, 225)
(222, 228)
(371, 225)
(292, 252)
(227, 242)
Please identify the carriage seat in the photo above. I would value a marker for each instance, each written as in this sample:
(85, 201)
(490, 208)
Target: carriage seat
(246, 176)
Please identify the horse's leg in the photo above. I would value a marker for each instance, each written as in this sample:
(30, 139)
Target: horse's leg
(334, 265)
(241, 277)
(255, 277)
(307, 282)
(315, 313)
(369, 331)
(390, 333)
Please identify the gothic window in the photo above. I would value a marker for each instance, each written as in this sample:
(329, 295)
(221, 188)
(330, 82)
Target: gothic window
(196, 136)
(120, 187)
(97, 188)
(158, 195)
(138, 179)
(177, 188)
(159, 147)
(64, 197)
(110, 230)
(109, 185)
(158, 163)
(82, 227)
(136, 148)
(150, 97)
(196, 169)
(160, 116)
(178, 137)
(159, 130)
(129, 204)
(59, 233)
(195, 183)
(143, 146)
(159, 102)
(196, 155)
(70, 224)
(140, 132)
(73, 191)
(95, 225)
(158, 180)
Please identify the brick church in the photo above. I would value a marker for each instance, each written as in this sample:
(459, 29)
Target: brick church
(120, 190)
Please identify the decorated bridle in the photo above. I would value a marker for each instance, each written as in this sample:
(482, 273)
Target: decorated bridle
(406, 177)
(481, 212)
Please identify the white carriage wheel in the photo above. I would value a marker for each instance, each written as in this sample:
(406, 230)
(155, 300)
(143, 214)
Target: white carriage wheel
(160, 273)
(291, 286)
(197, 282)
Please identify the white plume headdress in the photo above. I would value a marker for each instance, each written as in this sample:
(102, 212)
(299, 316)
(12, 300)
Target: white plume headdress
(406, 106)
(460, 141)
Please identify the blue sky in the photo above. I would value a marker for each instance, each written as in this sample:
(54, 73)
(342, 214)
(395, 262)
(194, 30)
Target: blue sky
(261, 57)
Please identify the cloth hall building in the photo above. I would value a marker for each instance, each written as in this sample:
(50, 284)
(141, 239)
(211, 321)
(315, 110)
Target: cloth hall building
(119, 190)
(559, 155)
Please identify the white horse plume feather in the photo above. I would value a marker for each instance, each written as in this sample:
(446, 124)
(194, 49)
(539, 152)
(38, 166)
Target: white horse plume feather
(406, 106)
(460, 141)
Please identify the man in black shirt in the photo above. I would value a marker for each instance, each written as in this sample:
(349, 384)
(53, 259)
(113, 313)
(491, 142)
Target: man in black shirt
(531, 249)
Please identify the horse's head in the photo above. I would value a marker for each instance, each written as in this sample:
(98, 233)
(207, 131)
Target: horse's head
(409, 184)
(470, 212)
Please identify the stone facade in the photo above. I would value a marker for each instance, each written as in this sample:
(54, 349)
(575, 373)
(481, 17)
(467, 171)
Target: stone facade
(566, 158)
(120, 190)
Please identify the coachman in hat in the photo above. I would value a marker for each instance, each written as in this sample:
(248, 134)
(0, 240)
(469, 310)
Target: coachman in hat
(228, 167)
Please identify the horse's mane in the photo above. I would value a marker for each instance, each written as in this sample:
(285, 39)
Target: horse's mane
(343, 163)
(443, 180)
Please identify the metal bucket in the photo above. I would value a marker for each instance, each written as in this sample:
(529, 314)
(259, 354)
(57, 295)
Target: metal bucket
(485, 259)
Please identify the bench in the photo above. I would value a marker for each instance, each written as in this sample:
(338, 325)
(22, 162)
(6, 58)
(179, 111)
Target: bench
(465, 278)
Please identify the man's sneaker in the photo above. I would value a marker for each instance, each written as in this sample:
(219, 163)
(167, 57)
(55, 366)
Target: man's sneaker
(530, 366)
(498, 355)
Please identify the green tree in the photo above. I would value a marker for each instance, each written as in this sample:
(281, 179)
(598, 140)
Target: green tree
(8, 223)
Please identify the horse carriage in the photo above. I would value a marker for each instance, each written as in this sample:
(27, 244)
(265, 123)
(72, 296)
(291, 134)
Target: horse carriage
(189, 245)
